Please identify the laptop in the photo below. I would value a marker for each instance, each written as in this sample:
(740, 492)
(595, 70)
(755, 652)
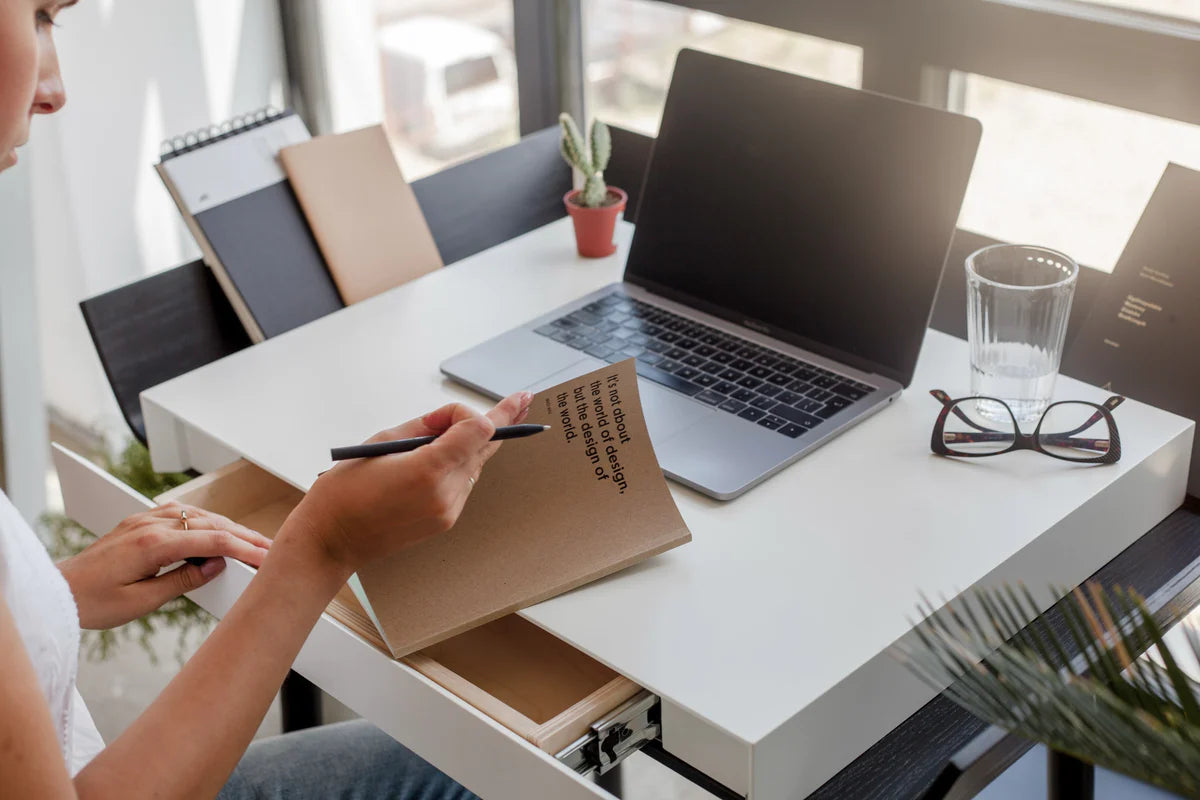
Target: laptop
(788, 248)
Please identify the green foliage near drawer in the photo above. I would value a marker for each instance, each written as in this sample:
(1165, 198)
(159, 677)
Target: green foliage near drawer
(64, 538)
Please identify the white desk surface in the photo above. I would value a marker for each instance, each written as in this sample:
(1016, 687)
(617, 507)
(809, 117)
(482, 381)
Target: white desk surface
(736, 627)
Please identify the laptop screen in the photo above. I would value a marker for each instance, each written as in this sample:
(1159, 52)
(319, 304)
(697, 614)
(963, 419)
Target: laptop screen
(817, 214)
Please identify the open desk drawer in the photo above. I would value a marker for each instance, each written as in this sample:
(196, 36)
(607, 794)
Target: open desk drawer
(490, 707)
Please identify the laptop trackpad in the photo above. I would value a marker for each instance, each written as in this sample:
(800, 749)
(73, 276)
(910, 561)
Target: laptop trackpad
(579, 366)
(514, 360)
(667, 413)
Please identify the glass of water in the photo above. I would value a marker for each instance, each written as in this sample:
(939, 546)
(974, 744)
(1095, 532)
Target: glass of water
(1018, 301)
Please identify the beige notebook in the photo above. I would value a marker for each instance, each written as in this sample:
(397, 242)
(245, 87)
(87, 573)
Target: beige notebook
(363, 214)
(550, 513)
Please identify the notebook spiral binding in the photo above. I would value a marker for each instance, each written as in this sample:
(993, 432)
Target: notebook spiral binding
(202, 137)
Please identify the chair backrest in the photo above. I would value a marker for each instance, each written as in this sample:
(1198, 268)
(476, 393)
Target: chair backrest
(631, 156)
(495, 197)
(170, 323)
(950, 307)
(175, 321)
(627, 168)
(156, 328)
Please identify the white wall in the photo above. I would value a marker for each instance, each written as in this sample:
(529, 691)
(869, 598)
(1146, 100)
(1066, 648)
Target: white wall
(21, 411)
(136, 71)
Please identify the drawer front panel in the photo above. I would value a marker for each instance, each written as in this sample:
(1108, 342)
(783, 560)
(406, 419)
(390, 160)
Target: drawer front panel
(92, 497)
(487, 758)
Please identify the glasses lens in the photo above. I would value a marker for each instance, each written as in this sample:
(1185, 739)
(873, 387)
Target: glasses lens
(1076, 431)
(974, 429)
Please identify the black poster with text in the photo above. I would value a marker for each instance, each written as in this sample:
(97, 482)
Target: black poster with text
(1142, 337)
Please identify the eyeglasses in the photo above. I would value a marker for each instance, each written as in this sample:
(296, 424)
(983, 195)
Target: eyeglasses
(984, 426)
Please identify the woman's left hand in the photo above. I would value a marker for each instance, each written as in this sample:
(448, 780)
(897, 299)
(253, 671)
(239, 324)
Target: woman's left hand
(115, 580)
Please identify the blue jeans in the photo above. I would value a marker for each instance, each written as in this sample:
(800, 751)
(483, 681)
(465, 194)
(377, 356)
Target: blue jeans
(347, 761)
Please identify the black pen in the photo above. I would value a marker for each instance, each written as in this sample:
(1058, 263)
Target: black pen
(405, 445)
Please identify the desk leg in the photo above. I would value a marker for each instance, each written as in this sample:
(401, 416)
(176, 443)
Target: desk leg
(299, 703)
(1069, 778)
(611, 781)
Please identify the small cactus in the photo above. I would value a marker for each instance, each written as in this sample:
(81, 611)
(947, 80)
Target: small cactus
(589, 160)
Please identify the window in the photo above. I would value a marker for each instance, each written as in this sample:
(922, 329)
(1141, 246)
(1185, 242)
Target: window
(470, 74)
(1064, 172)
(440, 75)
(1184, 9)
(630, 46)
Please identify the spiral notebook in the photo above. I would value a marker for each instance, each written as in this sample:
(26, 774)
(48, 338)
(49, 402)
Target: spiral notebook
(236, 200)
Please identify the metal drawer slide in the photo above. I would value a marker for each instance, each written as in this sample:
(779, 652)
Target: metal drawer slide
(611, 739)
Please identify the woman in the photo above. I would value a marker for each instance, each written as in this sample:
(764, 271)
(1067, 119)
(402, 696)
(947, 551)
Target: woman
(189, 741)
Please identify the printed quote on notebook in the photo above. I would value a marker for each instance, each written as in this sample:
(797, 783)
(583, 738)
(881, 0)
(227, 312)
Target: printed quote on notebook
(550, 513)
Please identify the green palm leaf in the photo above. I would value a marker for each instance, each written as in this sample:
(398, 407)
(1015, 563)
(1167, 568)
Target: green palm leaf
(1002, 660)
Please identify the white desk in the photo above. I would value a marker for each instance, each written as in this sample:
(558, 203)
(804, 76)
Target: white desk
(762, 687)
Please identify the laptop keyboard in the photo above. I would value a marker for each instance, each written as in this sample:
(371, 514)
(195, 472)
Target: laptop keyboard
(779, 392)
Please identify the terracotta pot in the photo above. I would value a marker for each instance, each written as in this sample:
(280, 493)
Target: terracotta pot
(594, 226)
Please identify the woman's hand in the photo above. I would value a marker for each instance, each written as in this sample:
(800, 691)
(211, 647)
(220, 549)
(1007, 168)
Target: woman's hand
(367, 508)
(115, 580)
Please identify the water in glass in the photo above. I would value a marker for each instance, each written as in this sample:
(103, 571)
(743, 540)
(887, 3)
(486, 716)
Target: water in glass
(1018, 303)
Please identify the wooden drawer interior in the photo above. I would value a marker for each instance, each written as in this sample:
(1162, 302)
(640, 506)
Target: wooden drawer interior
(526, 679)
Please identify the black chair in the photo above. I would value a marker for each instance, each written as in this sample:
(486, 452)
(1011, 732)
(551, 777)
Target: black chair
(631, 156)
(950, 307)
(631, 153)
(490, 199)
(154, 329)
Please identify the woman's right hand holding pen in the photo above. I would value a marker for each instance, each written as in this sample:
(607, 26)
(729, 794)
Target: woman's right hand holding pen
(366, 509)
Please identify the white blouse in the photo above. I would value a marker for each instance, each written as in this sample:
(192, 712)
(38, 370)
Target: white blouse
(40, 601)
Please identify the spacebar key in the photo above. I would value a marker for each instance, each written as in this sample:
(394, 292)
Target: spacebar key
(797, 416)
(667, 379)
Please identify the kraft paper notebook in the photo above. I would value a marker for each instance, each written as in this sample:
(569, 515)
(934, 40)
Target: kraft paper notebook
(1141, 336)
(238, 204)
(362, 212)
(549, 513)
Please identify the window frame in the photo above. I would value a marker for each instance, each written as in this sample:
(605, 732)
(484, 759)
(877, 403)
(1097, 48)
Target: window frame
(1126, 58)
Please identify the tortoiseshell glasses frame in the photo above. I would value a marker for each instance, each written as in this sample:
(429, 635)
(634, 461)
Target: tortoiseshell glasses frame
(1109, 449)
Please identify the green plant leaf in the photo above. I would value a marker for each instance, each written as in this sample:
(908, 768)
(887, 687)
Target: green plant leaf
(601, 146)
(573, 148)
(594, 191)
(1106, 705)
